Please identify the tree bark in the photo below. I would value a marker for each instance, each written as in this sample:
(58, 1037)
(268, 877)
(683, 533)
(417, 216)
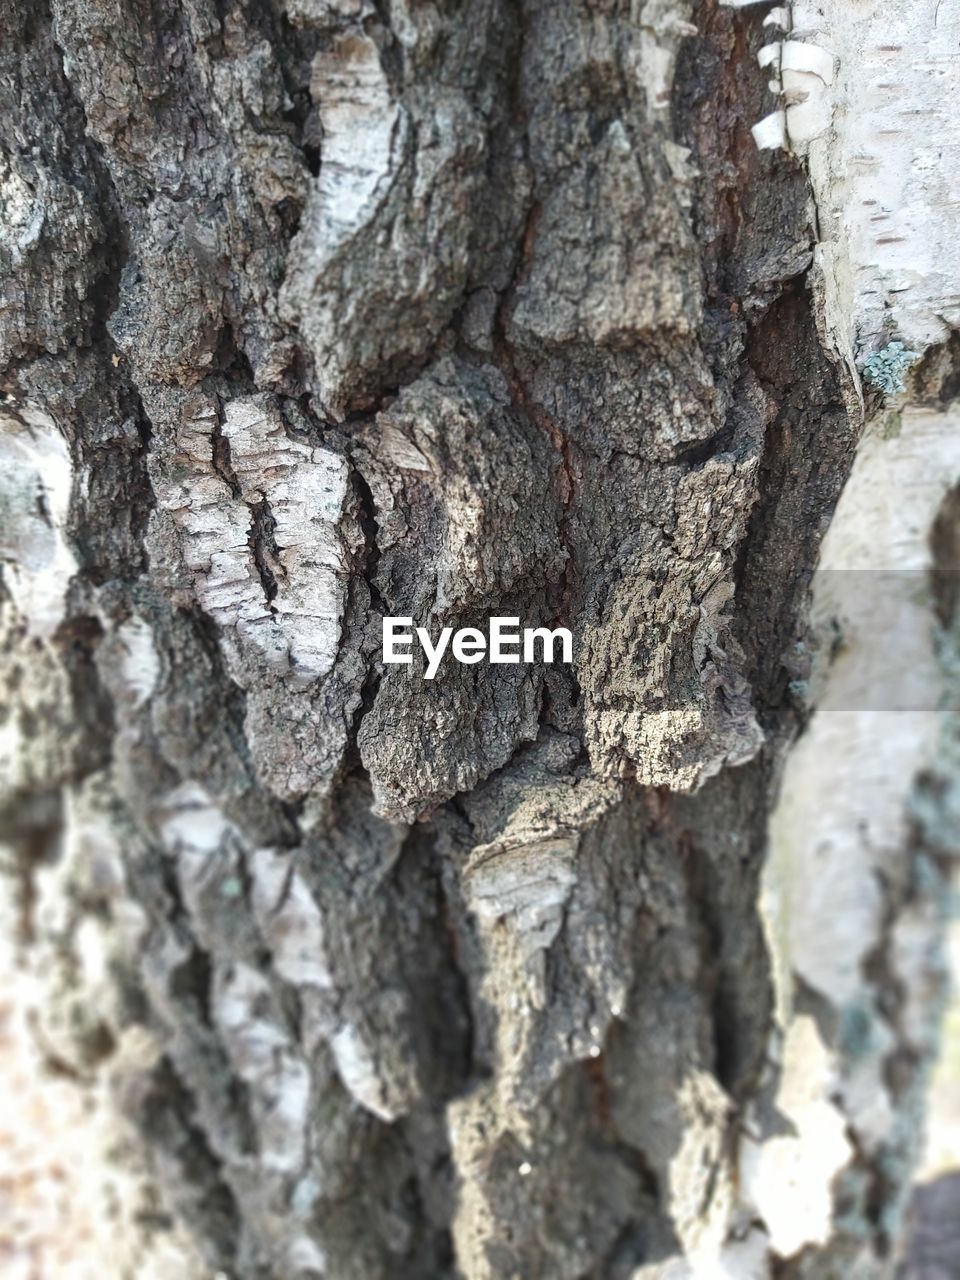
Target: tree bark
(317, 311)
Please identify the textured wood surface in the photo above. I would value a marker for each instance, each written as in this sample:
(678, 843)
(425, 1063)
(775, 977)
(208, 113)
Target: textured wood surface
(316, 311)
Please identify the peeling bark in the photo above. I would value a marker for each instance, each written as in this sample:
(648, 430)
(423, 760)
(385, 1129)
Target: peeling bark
(316, 311)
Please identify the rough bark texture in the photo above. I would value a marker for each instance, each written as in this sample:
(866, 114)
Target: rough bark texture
(321, 310)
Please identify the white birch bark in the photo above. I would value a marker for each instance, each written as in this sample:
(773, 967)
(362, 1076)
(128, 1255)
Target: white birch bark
(317, 311)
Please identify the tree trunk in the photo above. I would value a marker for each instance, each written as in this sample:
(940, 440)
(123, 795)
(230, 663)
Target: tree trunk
(319, 311)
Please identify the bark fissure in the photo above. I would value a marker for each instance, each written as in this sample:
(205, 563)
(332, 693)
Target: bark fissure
(351, 309)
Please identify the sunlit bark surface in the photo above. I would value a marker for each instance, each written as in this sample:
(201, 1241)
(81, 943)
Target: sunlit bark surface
(317, 311)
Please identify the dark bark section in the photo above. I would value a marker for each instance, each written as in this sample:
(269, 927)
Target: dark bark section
(521, 357)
